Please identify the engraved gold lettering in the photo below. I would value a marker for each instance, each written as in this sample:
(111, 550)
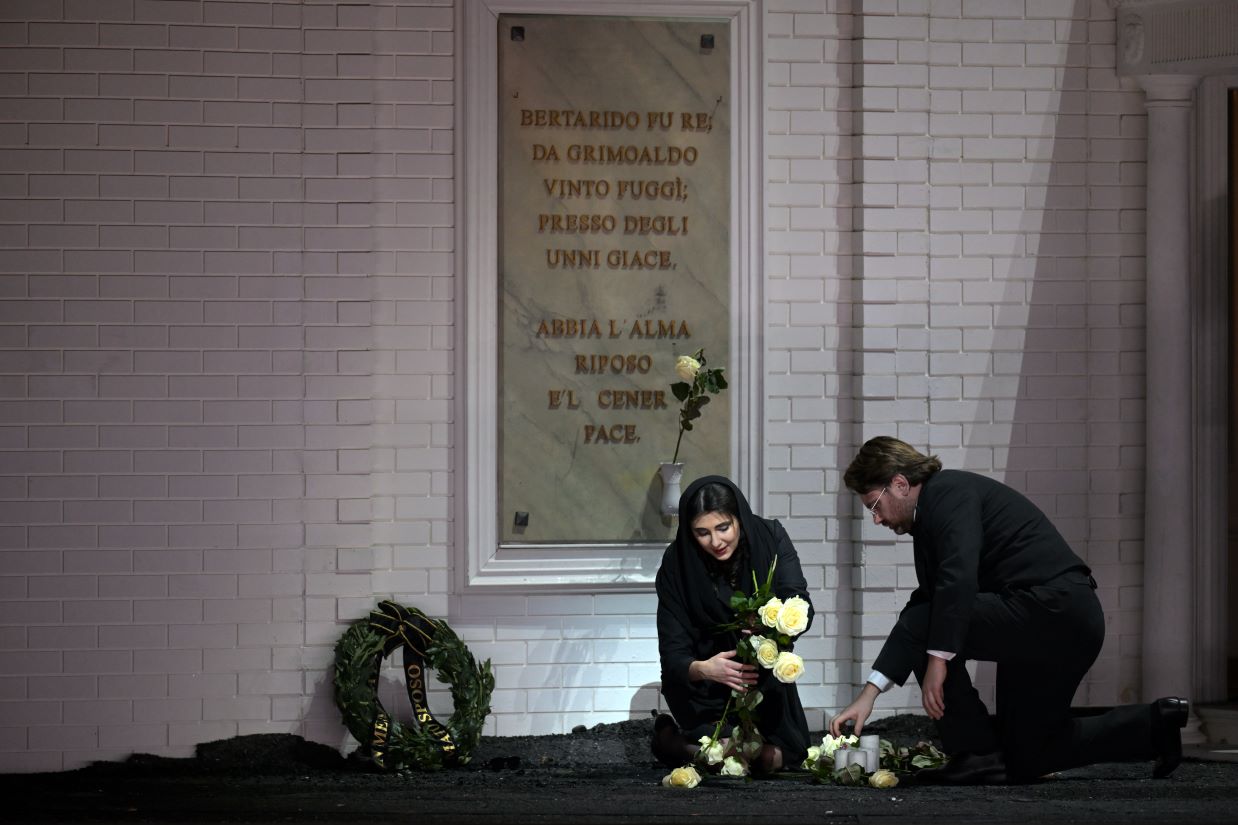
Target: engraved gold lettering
(644, 259)
(564, 188)
(606, 154)
(695, 121)
(617, 364)
(569, 328)
(542, 151)
(579, 119)
(648, 328)
(666, 190)
(632, 399)
(655, 225)
(614, 434)
(561, 398)
(574, 258)
(579, 224)
(659, 120)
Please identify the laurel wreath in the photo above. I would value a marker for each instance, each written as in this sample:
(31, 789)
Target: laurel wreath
(358, 657)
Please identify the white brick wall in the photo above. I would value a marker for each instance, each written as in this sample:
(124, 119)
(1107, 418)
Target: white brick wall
(226, 326)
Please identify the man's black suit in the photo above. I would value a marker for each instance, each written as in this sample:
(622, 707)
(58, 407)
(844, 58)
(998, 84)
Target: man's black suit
(997, 582)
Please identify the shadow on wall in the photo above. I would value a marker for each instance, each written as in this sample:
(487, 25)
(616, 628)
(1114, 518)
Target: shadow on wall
(647, 701)
(1061, 395)
(321, 721)
(1049, 393)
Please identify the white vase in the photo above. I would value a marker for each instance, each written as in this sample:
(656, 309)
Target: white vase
(671, 475)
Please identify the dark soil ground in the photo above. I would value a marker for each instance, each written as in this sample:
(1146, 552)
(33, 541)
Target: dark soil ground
(601, 775)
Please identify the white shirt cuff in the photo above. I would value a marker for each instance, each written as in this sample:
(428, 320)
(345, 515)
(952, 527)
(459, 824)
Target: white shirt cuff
(880, 681)
(941, 654)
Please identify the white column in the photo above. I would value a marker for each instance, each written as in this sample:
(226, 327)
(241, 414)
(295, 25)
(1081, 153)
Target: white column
(1168, 556)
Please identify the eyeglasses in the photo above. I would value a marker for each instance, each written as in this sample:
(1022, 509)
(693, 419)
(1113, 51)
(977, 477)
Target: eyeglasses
(872, 511)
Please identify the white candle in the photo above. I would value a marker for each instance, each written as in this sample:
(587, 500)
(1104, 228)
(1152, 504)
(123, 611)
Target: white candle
(871, 742)
(874, 761)
(840, 758)
(858, 756)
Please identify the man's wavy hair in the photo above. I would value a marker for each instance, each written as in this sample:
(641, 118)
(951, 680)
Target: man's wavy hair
(882, 458)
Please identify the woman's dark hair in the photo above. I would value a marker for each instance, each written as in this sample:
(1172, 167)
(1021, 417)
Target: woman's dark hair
(709, 499)
(882, 458)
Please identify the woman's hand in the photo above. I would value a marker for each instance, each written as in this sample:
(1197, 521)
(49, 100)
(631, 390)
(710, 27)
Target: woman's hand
(857, 712)
(723, 669)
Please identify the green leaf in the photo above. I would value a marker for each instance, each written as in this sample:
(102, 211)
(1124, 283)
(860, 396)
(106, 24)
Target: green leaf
(680, 390)
(769, 577)
(850, 775)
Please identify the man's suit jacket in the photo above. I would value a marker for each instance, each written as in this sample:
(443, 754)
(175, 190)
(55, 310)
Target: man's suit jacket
(972, 535)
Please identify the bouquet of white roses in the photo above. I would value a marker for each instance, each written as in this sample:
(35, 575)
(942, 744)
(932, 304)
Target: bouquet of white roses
(767, 625)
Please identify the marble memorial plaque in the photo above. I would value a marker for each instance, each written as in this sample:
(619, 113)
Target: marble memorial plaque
(614, 239)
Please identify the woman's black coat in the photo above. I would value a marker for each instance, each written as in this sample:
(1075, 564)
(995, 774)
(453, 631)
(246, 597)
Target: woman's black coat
(693, 600)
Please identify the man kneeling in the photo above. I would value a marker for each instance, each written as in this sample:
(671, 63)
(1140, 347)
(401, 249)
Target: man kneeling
(996, 582)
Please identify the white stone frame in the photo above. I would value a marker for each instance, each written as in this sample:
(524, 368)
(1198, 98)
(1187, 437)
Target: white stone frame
(481, 563)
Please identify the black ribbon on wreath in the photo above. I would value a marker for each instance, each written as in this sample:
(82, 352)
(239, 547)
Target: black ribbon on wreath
(413, 631)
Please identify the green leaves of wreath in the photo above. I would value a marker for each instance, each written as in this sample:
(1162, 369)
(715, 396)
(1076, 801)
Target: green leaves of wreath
(428, 644)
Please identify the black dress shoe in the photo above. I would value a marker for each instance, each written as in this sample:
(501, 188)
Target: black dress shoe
(669, 745)
(1168, 719)
(967, 769)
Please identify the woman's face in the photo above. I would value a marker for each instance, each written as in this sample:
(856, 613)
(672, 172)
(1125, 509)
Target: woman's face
(717, 533)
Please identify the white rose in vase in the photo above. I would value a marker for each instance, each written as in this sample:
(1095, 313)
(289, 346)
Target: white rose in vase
(686, 367)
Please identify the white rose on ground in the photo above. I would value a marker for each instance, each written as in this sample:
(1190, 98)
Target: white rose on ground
(788, 667)
(685, 777)
(769, 612)
(686, 367)
(766, 651)
(883, 779)
(792, 619)
(814, 753)
(734, 767)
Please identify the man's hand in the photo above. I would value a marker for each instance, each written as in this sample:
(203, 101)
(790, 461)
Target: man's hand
(858, 711)
(933, 697)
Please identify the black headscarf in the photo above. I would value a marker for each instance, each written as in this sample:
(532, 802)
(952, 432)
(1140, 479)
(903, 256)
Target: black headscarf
(696, 595)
